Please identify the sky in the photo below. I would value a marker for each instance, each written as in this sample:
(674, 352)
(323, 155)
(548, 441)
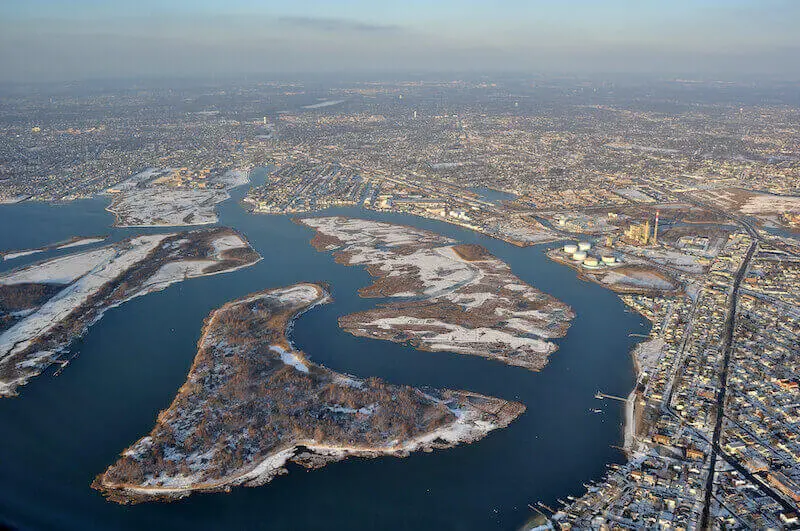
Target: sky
(53, 40)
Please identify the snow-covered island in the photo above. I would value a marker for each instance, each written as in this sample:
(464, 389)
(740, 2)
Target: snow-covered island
(45, 306)
(172, 197)
(76, 241)
(252, 403)
(456, 298)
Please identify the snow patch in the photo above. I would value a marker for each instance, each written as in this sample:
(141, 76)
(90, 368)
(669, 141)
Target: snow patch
(20, 254)
(62, 270)
(81, 242)
(96, 267)
(226, 243)
(290, 358)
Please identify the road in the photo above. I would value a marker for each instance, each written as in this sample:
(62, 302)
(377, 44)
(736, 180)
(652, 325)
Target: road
(730, 324)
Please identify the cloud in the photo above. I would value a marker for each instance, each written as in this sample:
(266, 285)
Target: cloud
(337, 25)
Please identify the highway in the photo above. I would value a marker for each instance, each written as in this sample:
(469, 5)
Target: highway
(730, 324)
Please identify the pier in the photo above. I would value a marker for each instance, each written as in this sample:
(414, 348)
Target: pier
(603, 396)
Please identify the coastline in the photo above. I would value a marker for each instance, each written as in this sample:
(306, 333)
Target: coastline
(243, 174)
(482, 308)
(398, 467)
(309, 454)
(91, 300)
(631, 424)
(632, 418)
(589, 275)
(75, 241)
(469, 416)
(300, 214)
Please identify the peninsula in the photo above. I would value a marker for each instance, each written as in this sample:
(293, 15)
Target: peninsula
(456, 298)
(252, 403)
(45, 306)
(173, 197)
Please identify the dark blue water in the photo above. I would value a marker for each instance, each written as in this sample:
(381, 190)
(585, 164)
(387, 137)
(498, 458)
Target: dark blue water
(64, 430)
(783, 233)
(493, 196)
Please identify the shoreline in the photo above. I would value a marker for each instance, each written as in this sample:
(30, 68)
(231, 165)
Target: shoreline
(69, 243)
(245, 173)
(631, 421)
(631, 424)
(468, 305)
(310, 455)
(453, 417)
(587, 275)
(299, 215)
(92, 296)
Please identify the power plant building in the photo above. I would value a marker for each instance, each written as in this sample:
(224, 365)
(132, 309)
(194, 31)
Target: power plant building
(640, 234)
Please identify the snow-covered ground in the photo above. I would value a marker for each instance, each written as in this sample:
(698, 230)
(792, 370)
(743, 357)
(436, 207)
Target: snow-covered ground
(83, 274)
(143, 201)
(366, 410)
(525, 232)
(140, 179)
(81, 242)
(86, 273)
(365, 232)
(175, 271)
(640, 279)
(456, 338)
(297, 294)
(634, 194)
(60, 270)
(416, 263)
(770, 204)
(56, 246)
(290, 358)
(234, 178)
(226, 243)
(647, 353)
(5, 200)
(678, 260)
(20, 254)
(162, 206)
(374, 243)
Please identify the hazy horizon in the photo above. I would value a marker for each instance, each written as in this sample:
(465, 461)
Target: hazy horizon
(47, 40)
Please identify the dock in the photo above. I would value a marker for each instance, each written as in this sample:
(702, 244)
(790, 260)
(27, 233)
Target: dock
(602, 396)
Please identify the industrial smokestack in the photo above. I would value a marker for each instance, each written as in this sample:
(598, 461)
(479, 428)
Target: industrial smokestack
(655, 230)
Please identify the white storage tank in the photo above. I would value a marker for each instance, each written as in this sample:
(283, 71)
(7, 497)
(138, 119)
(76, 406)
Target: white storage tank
(584, 246)
(579, 256)
(570, 248)
(607, 259)
(591, 263)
